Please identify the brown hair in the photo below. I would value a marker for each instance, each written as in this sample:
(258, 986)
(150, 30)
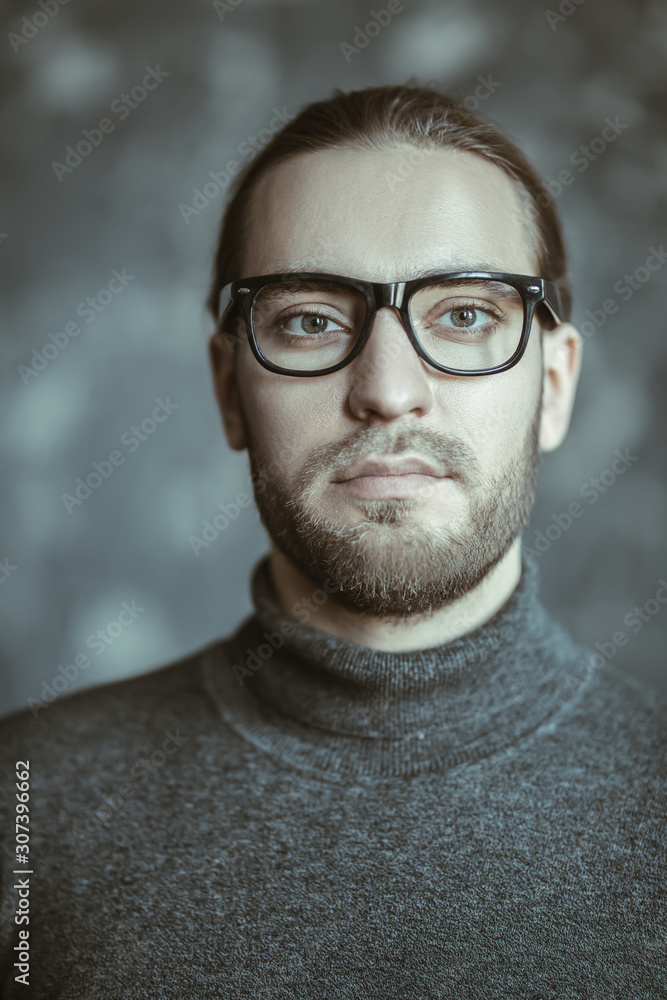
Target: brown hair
(382, 118)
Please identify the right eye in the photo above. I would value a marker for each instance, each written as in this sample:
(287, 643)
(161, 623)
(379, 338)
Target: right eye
(310, 324)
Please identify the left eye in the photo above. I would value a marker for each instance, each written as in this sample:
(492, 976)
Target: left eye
(465, 317)
(311, 323)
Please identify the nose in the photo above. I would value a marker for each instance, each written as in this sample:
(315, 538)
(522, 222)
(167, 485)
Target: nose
(389, 379)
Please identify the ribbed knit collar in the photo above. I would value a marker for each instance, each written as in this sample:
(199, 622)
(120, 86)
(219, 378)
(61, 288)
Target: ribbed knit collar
(323, 703)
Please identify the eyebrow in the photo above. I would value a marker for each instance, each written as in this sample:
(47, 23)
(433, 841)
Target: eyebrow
(410, 274)
(275, 291)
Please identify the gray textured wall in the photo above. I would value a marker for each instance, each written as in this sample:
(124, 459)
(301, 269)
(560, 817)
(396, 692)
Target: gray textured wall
(555, 79)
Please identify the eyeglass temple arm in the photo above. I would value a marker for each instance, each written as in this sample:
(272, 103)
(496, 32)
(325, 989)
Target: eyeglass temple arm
(225, 303)
(553, 301)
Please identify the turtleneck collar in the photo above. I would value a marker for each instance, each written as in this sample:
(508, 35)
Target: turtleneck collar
(320, 702)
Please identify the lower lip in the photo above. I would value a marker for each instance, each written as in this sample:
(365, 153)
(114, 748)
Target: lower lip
(385, 487)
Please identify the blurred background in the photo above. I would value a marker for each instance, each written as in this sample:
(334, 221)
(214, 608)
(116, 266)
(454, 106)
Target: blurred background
(105, 256)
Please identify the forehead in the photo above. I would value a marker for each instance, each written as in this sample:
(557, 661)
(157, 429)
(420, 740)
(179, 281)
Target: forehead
(386, 215)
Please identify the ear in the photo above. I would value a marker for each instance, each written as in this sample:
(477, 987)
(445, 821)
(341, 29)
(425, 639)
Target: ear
(221, 355)
(561, 362)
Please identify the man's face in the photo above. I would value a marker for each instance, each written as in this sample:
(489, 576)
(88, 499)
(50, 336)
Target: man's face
(407, 543)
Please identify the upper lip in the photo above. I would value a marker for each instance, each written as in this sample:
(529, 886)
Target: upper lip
(385, 467)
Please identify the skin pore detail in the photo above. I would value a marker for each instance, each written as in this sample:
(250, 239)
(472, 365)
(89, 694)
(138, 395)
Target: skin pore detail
(431, 552)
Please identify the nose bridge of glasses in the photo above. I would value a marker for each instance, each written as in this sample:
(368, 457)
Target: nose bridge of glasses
(389, 294)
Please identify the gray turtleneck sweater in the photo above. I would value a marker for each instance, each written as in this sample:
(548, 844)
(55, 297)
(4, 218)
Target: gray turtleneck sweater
(288, 815)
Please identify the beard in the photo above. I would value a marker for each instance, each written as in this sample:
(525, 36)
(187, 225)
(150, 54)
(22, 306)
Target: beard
(389, 565)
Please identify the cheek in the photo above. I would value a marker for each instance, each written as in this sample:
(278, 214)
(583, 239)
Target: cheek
(494, 413)
(287, 418)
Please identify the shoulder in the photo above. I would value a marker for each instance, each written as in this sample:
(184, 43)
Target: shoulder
(623, 721)
(109, 714)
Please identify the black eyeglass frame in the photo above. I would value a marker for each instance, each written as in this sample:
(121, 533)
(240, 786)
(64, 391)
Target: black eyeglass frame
(533, 291)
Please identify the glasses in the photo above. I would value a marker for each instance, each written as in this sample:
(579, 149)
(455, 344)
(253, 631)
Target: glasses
(464, 323)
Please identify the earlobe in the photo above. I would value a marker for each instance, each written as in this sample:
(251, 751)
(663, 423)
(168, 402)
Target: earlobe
(221, 357)
(561, 354)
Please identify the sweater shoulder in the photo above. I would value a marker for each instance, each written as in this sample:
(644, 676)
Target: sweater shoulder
(630, 696)
(109, 711)
(624, 718)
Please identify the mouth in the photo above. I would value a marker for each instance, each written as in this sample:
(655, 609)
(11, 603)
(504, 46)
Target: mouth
(384, 479)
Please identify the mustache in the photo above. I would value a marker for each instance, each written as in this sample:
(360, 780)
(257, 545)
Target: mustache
(440, 449)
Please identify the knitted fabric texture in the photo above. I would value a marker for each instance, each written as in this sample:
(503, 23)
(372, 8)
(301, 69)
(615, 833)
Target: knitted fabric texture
(285, 814)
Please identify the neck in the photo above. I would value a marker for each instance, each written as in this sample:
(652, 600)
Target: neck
(456, 619)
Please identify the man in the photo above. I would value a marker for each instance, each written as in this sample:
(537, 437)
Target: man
(395, 779)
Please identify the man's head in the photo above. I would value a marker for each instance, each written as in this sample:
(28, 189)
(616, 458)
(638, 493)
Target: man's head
(385, 185)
